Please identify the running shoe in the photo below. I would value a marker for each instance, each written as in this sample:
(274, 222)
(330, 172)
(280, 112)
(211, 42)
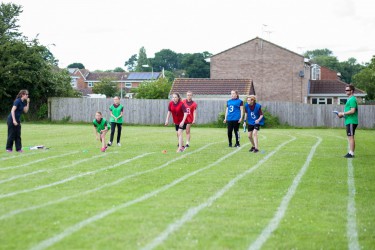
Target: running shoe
(237, 145)
(349, 155)
(20, 151)
(109, 144)
(187, 145)
(256, 150)
(119, 144)
(9, 150)
(103, 149)
(251, 149)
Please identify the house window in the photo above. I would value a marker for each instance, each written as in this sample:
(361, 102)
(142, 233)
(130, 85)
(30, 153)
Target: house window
(91, 84)
(342, 100)
(321, 100)
(315, 72)
(128, 84)
(73, 82)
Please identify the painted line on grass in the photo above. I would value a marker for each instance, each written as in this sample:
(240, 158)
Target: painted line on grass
(274, 223)
(195, 210)
(70, 178)
(18, 211)
(70, 230)
(39, 160)
(45, 170)
(17, 155)
(351, 226)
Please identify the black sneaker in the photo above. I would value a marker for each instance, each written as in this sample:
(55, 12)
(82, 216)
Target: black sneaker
(256, 150)
(187, 145)
(349, 155)
(230, 145)
(251, 149)
(109, 144)
(237, 145)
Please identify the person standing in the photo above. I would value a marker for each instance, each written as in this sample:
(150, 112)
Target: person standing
(254, 118)
(20, 105)
(191, 108)
(233, 117)
(350, 115)
(116, 119)
(101, 127)
(177, 109)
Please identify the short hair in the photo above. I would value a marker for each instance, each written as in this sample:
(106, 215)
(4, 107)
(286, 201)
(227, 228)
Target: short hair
(351, 87)
(98, 112)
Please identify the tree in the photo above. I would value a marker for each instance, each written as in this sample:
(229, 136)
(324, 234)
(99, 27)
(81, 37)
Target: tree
(26, 64)
(166, 59)
(349, 68)
(365, 79)
(118, 69)
(142, 60)
(158, 89)
(106, 86)
(196, 66)
(131, 64)
(76, 65)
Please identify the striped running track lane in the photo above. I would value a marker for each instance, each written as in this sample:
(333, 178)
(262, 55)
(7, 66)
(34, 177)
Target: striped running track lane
(71, 178)
(18, 211)
(39, 160)
(70, 230)
(45, 170)
(195, 210)
(18, 155)
(275, 221)
(351, 227)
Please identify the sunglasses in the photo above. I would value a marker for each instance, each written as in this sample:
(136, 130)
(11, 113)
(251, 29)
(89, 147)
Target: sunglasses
(347, 90)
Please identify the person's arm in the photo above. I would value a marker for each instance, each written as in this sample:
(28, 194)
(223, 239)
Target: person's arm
(26, 108)
(225, 115)
(240, 120)
(183, 119)
(12, 112)
(167, 120)
(194, 116)
(260, 117)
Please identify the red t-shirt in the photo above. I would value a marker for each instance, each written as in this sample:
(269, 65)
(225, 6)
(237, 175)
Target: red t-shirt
(190, 108)
(177, 110)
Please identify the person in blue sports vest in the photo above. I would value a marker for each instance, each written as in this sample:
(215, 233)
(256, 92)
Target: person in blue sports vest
(233, 117)
(254, 118)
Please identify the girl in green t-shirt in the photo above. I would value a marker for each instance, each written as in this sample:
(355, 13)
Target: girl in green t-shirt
(101, 127)
(117, 112)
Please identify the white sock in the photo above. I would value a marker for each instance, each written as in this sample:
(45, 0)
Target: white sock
(187, 142)
(351, 152)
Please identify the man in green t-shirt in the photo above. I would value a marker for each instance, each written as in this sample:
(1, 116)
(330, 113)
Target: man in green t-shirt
(351, 118)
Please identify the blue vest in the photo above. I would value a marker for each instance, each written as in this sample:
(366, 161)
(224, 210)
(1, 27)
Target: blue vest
(234, 111)
(253, 115)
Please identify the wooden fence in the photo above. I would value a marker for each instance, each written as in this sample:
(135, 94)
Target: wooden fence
(151, 112)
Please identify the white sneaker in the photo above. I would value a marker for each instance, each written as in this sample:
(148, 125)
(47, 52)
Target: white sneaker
(119, 144)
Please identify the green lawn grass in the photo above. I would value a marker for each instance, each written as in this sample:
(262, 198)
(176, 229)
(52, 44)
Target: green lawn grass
(73, 196)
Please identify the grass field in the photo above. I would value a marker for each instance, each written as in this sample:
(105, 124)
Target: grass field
(299, 193)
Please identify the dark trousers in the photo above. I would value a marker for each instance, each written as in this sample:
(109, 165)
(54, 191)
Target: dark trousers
(233, 125)
(14, 135)
(113, 127)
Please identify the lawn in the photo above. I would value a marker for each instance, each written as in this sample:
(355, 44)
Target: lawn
(297, 193)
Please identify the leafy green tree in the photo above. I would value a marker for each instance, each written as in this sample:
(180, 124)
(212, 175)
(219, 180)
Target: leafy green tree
(166, 59)
(365, 79)
(142, 60)
(118, 69)
(76, 65)
(131, 64)
(158, 89)
(349, 68)
(106, 86)
(26, 64)
(196, 66)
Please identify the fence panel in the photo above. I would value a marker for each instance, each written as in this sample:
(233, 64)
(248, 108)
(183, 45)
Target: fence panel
(152, 112)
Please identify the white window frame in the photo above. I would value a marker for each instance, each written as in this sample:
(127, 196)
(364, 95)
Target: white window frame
(322, 100)
(90, 84)
(128, 84)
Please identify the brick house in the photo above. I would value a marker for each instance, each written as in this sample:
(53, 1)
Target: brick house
(326, 87)
(278, 74)
(206, 88)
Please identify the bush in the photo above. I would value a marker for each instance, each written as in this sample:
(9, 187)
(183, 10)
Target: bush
(42, 113)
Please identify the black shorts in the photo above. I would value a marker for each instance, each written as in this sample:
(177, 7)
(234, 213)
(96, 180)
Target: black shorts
(350, 129)
(178, 127)
(252, 127)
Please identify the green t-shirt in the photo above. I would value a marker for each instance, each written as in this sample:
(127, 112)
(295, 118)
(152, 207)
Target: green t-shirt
(116, 111)
(352, 118)
(101, 126)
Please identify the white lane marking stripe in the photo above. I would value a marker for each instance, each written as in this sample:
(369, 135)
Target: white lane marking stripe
(70, 230)
(18, 211)
(195, 210)
(17, 156)
(274, 223)
(40, 160)
(351, 228)
(70, 178)
(45, 170)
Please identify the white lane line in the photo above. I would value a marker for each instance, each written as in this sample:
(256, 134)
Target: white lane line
(17, 155)
(351, 226)
(70, 178)
(274, 223)
(40, 160)
(70, 230)
(195, 210)
(45, 170)
(18, 211)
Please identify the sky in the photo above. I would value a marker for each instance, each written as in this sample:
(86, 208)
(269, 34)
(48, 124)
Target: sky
(102, 35)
